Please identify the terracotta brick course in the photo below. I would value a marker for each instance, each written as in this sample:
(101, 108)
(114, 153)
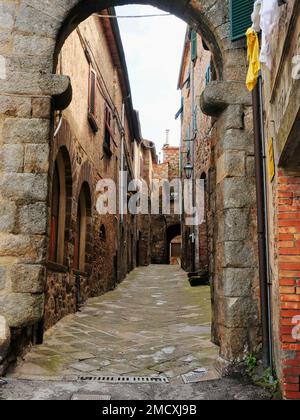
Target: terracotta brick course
(288, 246)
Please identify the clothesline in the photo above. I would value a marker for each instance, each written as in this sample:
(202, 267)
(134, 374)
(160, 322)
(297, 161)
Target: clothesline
(265, 17)
(133, 16)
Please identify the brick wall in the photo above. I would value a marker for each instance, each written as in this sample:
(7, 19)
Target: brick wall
(288, 223)
(282, 116)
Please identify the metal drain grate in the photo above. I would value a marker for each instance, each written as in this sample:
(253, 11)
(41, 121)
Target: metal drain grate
(196, 376)
(124, 379)
(90, 397)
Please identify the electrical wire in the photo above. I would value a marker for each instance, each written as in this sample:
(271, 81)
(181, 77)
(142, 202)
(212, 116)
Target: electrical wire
(134, 16)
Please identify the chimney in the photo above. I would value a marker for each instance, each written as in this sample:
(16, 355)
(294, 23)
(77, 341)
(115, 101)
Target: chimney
(167, 138)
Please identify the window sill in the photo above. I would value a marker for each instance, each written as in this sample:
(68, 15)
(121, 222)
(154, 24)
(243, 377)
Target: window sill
(93, 122)
(57, 268)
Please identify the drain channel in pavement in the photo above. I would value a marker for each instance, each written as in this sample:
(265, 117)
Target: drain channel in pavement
(124, 379)
(90, 397)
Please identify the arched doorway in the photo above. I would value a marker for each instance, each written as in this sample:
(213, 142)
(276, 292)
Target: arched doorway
(37, 33)
(83, 222)
(174, 246)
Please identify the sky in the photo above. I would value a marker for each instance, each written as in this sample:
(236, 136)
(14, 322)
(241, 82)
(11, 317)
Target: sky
(153, 49)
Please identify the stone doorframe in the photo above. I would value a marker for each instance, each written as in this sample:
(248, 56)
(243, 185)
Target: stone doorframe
(31, 33)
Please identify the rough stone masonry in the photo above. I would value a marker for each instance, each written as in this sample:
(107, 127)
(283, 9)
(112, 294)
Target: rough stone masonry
(31, 34)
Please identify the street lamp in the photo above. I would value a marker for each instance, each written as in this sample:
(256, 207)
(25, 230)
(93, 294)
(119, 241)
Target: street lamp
(188, 169)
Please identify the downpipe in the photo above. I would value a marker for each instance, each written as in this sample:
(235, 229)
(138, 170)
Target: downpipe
(263, 226)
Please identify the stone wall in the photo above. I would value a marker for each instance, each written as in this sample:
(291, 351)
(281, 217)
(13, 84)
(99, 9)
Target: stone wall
(88, 164)
(223, 155)
(201, 148)
(235, 256)
(160, 240)
(282, 115)
(31, 35)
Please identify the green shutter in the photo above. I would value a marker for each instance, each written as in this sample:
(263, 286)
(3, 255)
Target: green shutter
(194, 44)
(240, 17)
(208, 75)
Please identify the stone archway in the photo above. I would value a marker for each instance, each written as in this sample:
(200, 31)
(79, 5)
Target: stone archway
(33, 33)
(173, 231)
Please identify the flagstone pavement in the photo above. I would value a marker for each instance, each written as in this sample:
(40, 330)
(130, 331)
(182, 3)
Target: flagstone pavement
(153, 324)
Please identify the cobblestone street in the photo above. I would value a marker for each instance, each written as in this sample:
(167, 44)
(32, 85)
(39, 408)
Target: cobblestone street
(153, 324)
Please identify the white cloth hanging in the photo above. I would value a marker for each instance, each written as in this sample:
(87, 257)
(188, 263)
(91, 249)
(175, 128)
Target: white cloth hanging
(256, 16)
(269, 17)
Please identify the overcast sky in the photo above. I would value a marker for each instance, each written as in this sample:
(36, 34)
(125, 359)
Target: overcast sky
(153, 48)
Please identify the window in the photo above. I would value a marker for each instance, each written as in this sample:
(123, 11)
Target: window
(58, 211)
(180, 112)
(54, 215)
(107, 131)
(194, 37)
(83, 214)
(208, 75)
(240, 17)
(92, 100)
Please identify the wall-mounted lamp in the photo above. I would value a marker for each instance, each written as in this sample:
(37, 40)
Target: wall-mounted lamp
(188, 169)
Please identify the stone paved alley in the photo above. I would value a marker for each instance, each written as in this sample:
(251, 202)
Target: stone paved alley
(153, 324)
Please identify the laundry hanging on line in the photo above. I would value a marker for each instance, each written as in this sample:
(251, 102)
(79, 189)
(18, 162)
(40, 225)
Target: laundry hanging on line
(269, 16)
(265, 17)
(253, 59)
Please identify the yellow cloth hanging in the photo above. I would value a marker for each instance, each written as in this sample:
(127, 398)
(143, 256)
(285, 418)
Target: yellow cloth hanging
(253, 59)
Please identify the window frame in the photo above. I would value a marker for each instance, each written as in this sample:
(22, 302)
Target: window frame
(92, 99)
(194, 45)
(234, 34)
(80, 243)
(57, 236)
(108, 134)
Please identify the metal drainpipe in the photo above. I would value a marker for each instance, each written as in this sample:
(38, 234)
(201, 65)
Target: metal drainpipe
(262, 219)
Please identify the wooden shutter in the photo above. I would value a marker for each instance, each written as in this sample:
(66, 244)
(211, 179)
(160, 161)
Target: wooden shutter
(193, 45)
(208, 75)
(108, 135)
(240, 17)
(55, 201)
(92, 92)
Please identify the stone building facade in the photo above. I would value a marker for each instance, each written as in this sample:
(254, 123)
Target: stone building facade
(195, 144)
(281, 101)
(32, 34)
(87, 148)
(145, 161)
(280, 153)
(165, 227)
(88, 253)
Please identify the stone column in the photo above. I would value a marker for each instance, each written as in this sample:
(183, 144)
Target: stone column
(27, 87)
(235, 273)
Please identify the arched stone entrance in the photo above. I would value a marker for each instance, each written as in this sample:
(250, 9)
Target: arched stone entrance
(33, 34)
(173, 231)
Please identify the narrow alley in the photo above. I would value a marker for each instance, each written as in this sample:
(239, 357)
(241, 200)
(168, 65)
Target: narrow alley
(149, 199)
(153, 323)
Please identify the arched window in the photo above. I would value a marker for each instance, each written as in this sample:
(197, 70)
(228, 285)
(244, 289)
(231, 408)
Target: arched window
(83, 216)
(61, 177)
